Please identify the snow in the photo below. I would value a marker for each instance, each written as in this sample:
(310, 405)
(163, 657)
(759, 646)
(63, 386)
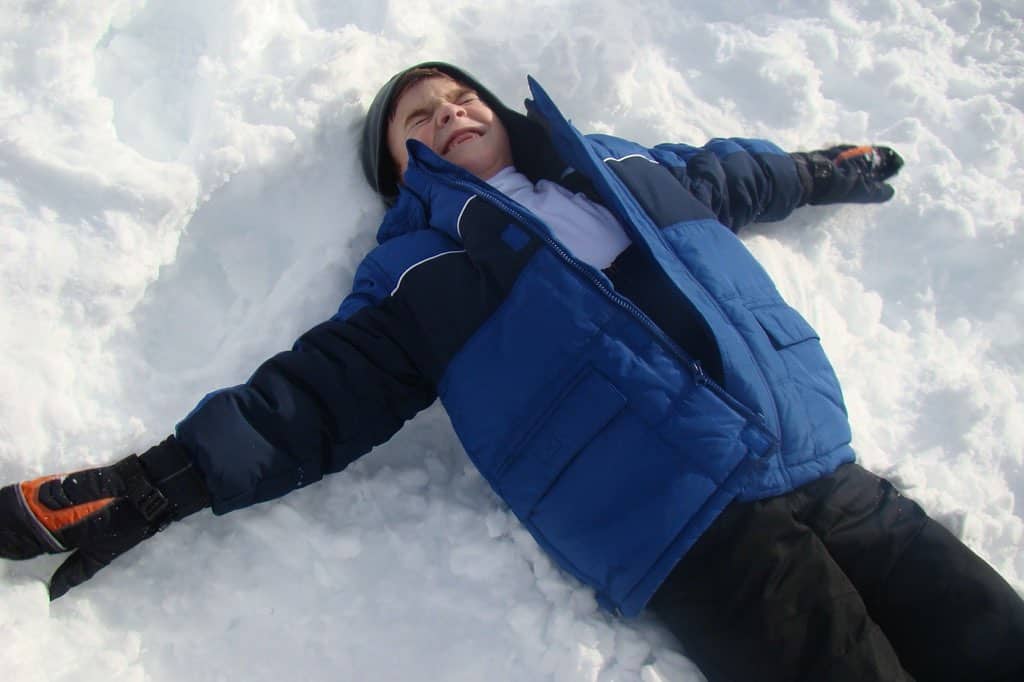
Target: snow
(180, 197)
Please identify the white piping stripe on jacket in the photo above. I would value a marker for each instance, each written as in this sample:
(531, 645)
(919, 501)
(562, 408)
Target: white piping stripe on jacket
(629, 156)
(458, 221)
(436, 255)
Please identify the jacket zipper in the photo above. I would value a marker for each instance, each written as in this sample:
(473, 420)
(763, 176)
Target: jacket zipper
(699, 376)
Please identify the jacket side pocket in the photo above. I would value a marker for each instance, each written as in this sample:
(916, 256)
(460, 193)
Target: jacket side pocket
(784, 326)
(588, 404)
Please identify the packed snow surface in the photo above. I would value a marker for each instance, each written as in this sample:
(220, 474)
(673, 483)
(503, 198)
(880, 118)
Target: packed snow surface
(180, 198)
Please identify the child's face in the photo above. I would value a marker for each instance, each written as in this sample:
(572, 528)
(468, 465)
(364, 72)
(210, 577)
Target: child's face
(454, 122)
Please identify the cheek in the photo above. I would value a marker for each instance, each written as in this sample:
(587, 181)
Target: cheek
(485, 116)
(423, 134)
(399, 156)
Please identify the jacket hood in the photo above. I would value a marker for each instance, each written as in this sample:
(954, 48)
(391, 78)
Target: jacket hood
(532, 153)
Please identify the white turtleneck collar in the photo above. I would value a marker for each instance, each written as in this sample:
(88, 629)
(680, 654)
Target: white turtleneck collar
(588, 230)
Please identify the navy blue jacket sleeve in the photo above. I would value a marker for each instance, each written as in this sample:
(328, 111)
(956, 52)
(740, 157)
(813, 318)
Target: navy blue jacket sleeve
(347, 384)
(740, 180)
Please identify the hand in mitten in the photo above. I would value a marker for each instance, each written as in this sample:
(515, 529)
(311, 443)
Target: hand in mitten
(98, 513)
(847, 173)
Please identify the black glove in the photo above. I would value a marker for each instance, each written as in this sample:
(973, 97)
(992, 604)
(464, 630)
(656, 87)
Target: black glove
(100, 513)
(846, 173)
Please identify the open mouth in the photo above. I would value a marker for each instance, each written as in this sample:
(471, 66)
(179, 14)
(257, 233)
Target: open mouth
(459, 138)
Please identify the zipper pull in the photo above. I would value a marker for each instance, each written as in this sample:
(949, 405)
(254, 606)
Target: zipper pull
(699, 375)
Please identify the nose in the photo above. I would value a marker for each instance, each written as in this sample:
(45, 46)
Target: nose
(447, 111)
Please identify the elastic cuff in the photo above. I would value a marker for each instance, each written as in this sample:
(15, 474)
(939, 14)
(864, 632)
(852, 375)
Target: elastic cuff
(170, 469)
(817, 175)
(806, 175)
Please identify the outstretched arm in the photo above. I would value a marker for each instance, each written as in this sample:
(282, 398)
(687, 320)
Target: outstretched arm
(346, 385)
(748, 180)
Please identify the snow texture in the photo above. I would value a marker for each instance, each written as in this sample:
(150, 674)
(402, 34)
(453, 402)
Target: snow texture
(180, 197)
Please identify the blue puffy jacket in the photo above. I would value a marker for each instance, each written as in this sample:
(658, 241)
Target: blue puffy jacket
(604, 436)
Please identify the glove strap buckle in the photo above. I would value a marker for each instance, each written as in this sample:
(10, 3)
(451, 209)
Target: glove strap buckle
(151, 503)
(143, 495)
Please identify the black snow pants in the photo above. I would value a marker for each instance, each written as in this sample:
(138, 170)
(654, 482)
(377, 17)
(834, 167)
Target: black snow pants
(841, 580)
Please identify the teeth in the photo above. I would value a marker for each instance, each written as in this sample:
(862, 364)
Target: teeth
(459, 139)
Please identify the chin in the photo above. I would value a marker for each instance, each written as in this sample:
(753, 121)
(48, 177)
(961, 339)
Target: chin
(474, 166)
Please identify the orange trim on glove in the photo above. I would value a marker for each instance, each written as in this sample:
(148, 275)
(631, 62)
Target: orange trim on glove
(57, 519)
(850, 153)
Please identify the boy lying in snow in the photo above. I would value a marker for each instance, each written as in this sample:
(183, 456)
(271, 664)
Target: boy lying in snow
(622, 372)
